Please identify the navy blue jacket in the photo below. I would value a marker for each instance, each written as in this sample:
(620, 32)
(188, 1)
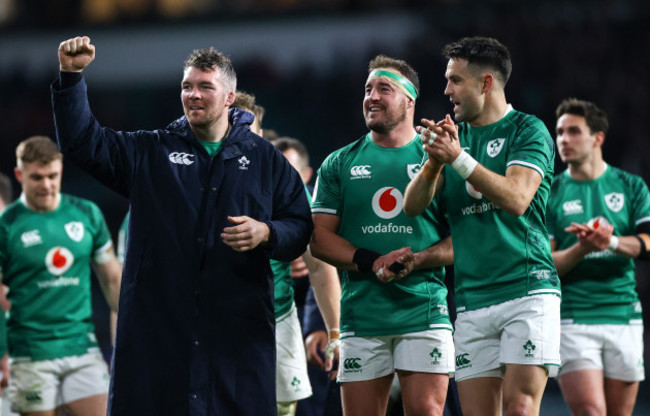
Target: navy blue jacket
(195, 331)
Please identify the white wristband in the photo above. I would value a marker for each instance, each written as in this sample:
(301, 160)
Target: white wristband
(464, 164)
(332, 345)
(613, 243)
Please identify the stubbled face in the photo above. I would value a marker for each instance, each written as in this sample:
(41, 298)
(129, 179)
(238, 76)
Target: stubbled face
(465, 91)
(575, 143)
(41, 184)
(204, 97)
(384, 106)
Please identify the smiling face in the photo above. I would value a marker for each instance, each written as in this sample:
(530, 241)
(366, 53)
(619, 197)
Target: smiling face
(205, 98)
(465, 90)
(575, 142)
(41, 184)
(384, 106)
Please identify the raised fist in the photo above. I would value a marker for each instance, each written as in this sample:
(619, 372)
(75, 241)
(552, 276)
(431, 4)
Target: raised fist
(76, 54)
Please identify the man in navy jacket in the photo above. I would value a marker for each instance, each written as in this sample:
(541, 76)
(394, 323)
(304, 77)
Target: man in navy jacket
(211, 202)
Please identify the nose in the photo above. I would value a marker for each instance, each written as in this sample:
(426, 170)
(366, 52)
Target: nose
(194, 93)
(373, 95)
(448, 90)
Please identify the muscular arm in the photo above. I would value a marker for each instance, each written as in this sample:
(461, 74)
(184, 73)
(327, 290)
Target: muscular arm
(439, 254)
(329, 246)
(109, 275)
(512, 192)
(421, 190)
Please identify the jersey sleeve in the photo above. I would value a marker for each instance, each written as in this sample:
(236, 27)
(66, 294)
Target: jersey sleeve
(3, 246)
(551, 218)
(102, 243)
(327, 192)
(641, 204)
(533, 148)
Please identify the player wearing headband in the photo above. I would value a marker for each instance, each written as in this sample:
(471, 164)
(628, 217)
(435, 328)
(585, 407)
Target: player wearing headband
(394, 316)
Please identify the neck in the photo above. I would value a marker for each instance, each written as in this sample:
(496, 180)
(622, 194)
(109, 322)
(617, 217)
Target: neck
(215, 132)
(398, 137)
(493, 109)
(588, 170)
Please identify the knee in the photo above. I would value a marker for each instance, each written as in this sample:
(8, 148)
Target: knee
(428, 408)
(524, 406)
(588, 409)
(287, 408)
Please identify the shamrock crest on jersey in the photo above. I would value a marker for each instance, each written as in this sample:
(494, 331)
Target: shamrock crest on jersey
(494, 147)
(615, 201)
(75, 230)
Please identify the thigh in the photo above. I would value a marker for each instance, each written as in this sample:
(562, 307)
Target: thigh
(583, 391)
(365, 358)
(480, 396)
(430, 351)
(366, 398)
(86, 376)
(423, 393)
(88, 406)
(620, 397)
(523, 388)
(292, 380)
(34, 386)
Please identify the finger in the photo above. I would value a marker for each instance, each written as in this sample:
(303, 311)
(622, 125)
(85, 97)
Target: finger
(238, 220)
(428, 123)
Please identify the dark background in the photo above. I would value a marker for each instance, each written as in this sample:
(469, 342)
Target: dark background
(306, 63)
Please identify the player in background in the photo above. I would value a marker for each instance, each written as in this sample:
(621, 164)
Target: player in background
(48, 243)
(598, 219)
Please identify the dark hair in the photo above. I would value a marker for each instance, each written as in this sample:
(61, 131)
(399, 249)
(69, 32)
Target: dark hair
(383, 61)
(37, 149)
(6, 194)
(211, 60)
(483, 52)
(595, 117)
(285, 143)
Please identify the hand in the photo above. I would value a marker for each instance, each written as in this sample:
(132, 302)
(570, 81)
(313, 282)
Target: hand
(592, 239)
(315, 344)
(76, 54)
(299, 268)
(332, 354)
(403, 256)
(445, 148)
(246, 235)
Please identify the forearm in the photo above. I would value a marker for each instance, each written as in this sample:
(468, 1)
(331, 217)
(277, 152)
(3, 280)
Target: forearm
(567, 259)
(628, 246)
(333, 249)
(109, 275)
(327, 290)
(439, 254)
(421, 190)
(513, 194)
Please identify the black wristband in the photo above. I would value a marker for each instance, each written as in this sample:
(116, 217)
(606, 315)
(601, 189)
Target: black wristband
(644, 254)
(364, 259)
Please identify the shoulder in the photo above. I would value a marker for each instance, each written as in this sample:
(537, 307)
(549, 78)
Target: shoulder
(629, 179)
(85, 206)
(340, 156)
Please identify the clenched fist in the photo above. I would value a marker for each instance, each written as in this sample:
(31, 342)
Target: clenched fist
(76, 54)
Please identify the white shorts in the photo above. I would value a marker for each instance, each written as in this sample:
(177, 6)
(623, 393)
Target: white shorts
(44, 385)
(615, 349)
(520, 331)
(368, 358)
(291, 378)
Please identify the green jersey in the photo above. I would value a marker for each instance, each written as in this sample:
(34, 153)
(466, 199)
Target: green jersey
(499, 257)
(363, 184)
(601, 288)
(45, 260)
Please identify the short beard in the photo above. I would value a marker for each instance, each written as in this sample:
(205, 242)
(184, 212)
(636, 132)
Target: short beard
(388, 126)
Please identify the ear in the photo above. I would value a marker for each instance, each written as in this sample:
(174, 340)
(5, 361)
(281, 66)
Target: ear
(19, 174)
(230, 98)
(488, 83)
(410, 104)
(600, 138)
